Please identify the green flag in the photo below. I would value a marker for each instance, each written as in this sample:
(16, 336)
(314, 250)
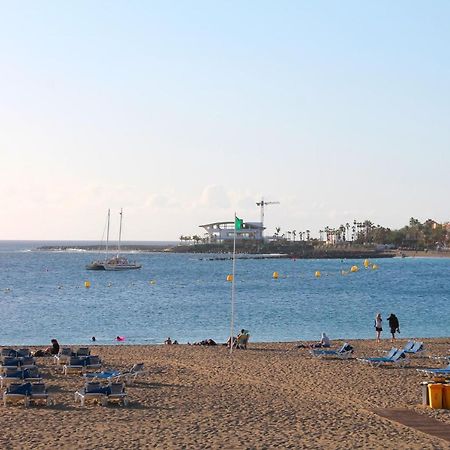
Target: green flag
(238, 223)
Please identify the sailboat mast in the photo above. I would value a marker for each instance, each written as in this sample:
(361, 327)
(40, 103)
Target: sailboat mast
(120, 233)
(107, 235)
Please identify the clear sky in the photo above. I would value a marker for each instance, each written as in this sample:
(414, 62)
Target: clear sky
(183, 112)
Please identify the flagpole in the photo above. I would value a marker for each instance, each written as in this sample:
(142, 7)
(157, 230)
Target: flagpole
(232, 288)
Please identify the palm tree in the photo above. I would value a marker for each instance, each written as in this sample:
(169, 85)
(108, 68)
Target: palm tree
(294, 233)
(307, 234)
(347, 226)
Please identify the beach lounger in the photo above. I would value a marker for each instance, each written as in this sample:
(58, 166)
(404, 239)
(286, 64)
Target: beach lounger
(32, 375)
(117, 394)
(17, 392)
(82, 351)
(10, 362)
(27, 362)
(8, 352)
(63, 356)
(103, 376)
(11, 375)
(93, 392)
(394, 357)
(130, 375)
(23, 352)
(343, 353)
(92, 362)
(416, 348)
(443, 371)
(39, 394)
(74, 365)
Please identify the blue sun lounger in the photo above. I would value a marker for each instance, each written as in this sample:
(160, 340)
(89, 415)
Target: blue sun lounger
(395, 356)
(343, 353)
(444, 371)
(103, 376)
(416, 348)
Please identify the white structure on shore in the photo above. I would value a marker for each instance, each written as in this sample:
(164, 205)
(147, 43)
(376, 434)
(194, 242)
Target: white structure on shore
(224, 231)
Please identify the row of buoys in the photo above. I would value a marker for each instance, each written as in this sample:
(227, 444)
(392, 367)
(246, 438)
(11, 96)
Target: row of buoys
(317, 273)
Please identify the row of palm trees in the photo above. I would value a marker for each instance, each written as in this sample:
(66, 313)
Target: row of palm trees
(192, 239)
(344, 233)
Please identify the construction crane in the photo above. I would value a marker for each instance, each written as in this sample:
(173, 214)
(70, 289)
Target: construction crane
(263, 203)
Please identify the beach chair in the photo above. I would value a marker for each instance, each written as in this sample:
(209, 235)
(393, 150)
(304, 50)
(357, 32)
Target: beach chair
(394, 357)
(92, 392)
(63, 356)
(117, 394)
(11, 375)
(241, 341)
(39, 395)
(103, 376)
(27, 362)
(74, 365)
(408, 346)
(343, 353)
(10, 362)
(32, 375)
(130, 375)
(8, 352)
(16, 393)
(438, 372)
(82, 351)
(416, 348)
(92, 363)
(23, 352)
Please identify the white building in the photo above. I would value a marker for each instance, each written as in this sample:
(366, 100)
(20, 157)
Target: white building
(224, 231)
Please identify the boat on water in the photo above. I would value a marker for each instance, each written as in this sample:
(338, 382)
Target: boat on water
(117, 262)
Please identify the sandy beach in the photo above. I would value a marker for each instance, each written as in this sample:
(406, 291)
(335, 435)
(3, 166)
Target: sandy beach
(269, 396)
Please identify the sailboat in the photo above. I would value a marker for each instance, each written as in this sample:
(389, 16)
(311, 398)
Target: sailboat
(117, 262)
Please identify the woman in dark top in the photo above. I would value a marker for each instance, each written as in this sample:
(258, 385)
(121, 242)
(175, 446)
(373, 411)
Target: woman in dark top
(54, 349)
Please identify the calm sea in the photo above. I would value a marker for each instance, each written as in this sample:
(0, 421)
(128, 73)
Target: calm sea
(187, 297)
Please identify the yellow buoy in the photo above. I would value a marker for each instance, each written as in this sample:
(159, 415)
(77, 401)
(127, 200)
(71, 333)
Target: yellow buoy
(229, 277)
(317, 274)
(374, 267)
(366, 263)
(354, 269)
(87, 284)
(152, 282)
(275, 275)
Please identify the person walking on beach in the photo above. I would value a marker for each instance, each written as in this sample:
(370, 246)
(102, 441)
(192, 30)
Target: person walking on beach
(394, 325)
(378, 326)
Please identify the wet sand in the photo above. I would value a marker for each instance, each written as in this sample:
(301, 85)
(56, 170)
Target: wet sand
(270, 396)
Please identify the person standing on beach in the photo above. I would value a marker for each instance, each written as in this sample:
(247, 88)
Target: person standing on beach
(394, 325)
(378, 326)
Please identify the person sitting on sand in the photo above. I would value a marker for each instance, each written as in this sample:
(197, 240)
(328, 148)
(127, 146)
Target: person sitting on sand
(54, 349)
(324, 342)
(168, 341)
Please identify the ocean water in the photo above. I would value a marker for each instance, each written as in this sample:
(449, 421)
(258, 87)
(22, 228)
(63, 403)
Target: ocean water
(187, 297)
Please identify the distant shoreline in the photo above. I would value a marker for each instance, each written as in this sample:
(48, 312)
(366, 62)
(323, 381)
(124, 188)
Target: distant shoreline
(313, 253)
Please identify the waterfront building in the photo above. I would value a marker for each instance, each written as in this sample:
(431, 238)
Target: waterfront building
(224, 231)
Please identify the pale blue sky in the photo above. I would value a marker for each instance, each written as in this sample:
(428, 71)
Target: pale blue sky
(184, 112)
